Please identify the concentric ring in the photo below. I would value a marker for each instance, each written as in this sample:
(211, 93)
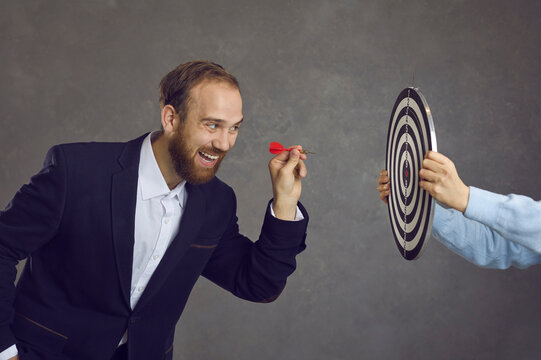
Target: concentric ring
(411, 134)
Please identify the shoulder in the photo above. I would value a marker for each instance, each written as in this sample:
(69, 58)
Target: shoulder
(94, 155)
(89, 149)
(62, 154)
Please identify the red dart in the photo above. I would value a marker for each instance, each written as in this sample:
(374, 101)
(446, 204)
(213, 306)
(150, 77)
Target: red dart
(277, 148)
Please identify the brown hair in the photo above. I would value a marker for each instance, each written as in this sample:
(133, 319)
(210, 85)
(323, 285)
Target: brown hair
(176, 85)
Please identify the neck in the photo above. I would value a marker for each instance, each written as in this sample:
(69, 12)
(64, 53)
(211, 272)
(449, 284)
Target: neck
(160, 147)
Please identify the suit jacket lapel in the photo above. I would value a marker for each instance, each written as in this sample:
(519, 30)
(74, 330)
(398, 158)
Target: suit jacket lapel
(191, 223)
(123, 202)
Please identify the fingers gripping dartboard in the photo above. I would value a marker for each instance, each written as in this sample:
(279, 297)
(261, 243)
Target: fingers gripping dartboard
(411, 134)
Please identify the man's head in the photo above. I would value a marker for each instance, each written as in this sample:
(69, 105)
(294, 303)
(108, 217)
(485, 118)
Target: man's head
(175, 87)
(201, 115)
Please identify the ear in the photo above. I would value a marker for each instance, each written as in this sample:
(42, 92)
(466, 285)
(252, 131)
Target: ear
(169, 119)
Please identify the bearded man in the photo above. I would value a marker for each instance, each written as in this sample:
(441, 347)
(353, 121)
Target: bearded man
(116, 234)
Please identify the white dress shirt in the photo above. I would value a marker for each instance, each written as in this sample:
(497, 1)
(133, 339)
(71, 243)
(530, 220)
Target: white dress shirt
(157, 218)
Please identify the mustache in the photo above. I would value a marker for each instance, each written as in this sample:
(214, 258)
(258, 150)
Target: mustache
(213, 151)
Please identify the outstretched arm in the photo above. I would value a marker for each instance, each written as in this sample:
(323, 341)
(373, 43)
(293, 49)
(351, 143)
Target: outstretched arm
(479, 236)
(479, 243)
(516, 218)
(258, 271)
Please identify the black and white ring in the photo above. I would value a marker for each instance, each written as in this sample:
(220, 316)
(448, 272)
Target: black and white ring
(411, 134)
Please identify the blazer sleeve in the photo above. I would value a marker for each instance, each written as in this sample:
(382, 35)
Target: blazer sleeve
(30, 220)
(257, 271)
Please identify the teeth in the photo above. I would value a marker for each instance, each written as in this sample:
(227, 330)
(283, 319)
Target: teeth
(212, 157)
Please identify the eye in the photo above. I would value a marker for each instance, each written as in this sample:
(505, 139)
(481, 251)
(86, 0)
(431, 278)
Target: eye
(212, 126)
(235, 128)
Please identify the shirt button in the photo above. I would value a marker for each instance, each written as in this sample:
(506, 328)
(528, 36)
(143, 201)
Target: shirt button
(166, 221)
(140, 289)
(156, 257)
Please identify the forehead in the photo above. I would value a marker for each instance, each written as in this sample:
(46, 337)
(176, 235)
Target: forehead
(216, 99)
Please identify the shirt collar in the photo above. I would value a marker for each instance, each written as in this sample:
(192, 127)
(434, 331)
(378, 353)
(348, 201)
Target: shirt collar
(151, 179)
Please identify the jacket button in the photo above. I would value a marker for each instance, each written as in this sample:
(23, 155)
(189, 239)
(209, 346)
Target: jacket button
(134, 319)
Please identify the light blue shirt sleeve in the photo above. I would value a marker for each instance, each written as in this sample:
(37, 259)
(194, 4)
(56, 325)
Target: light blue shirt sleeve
(496, 231)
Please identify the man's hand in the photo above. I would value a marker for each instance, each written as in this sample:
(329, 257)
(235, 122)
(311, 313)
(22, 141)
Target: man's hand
(383, 186)
(16, 357)
(286, 170)
(440, 178)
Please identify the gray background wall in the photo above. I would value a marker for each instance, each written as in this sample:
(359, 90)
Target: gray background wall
(325, 75)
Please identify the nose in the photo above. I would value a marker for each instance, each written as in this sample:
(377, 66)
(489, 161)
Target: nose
(222, 141)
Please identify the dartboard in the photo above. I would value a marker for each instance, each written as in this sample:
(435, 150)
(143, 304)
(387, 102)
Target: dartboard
(411, 134)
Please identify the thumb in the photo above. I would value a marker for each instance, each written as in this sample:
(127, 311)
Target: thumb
(293, 160)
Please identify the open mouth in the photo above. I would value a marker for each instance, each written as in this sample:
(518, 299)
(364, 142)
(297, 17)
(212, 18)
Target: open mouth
(207, 159)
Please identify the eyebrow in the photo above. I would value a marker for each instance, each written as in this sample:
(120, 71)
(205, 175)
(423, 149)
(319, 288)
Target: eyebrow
(221, 121)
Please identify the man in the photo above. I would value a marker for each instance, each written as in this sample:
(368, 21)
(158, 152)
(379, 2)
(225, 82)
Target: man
(116, 234)
(487, 229)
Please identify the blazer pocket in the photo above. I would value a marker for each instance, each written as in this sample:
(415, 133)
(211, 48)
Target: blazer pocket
(205, 243)
(169, 353)
(37, 334)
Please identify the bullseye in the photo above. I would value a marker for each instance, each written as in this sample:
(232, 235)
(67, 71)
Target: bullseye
(406, 173)
(411, 134)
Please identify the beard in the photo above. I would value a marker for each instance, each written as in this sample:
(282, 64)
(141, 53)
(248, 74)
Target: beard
(185, 163)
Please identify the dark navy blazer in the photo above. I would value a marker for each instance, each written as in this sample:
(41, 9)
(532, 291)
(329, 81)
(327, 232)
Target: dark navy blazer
(74, 222)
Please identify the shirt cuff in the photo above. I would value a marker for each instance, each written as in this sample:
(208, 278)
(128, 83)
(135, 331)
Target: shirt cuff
(9, 353)
(298, 216)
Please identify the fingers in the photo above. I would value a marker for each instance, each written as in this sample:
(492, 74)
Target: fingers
(428, 175)
(432, 165)
(286, 170)
(282, 157)
(383, 186)
(289, 162)
(437, 157)
(278, 161)
(299, 147)
(301, 169)
(383, 177)
(428, 186)
(293, 161)
(384, 196)
(436, 167)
